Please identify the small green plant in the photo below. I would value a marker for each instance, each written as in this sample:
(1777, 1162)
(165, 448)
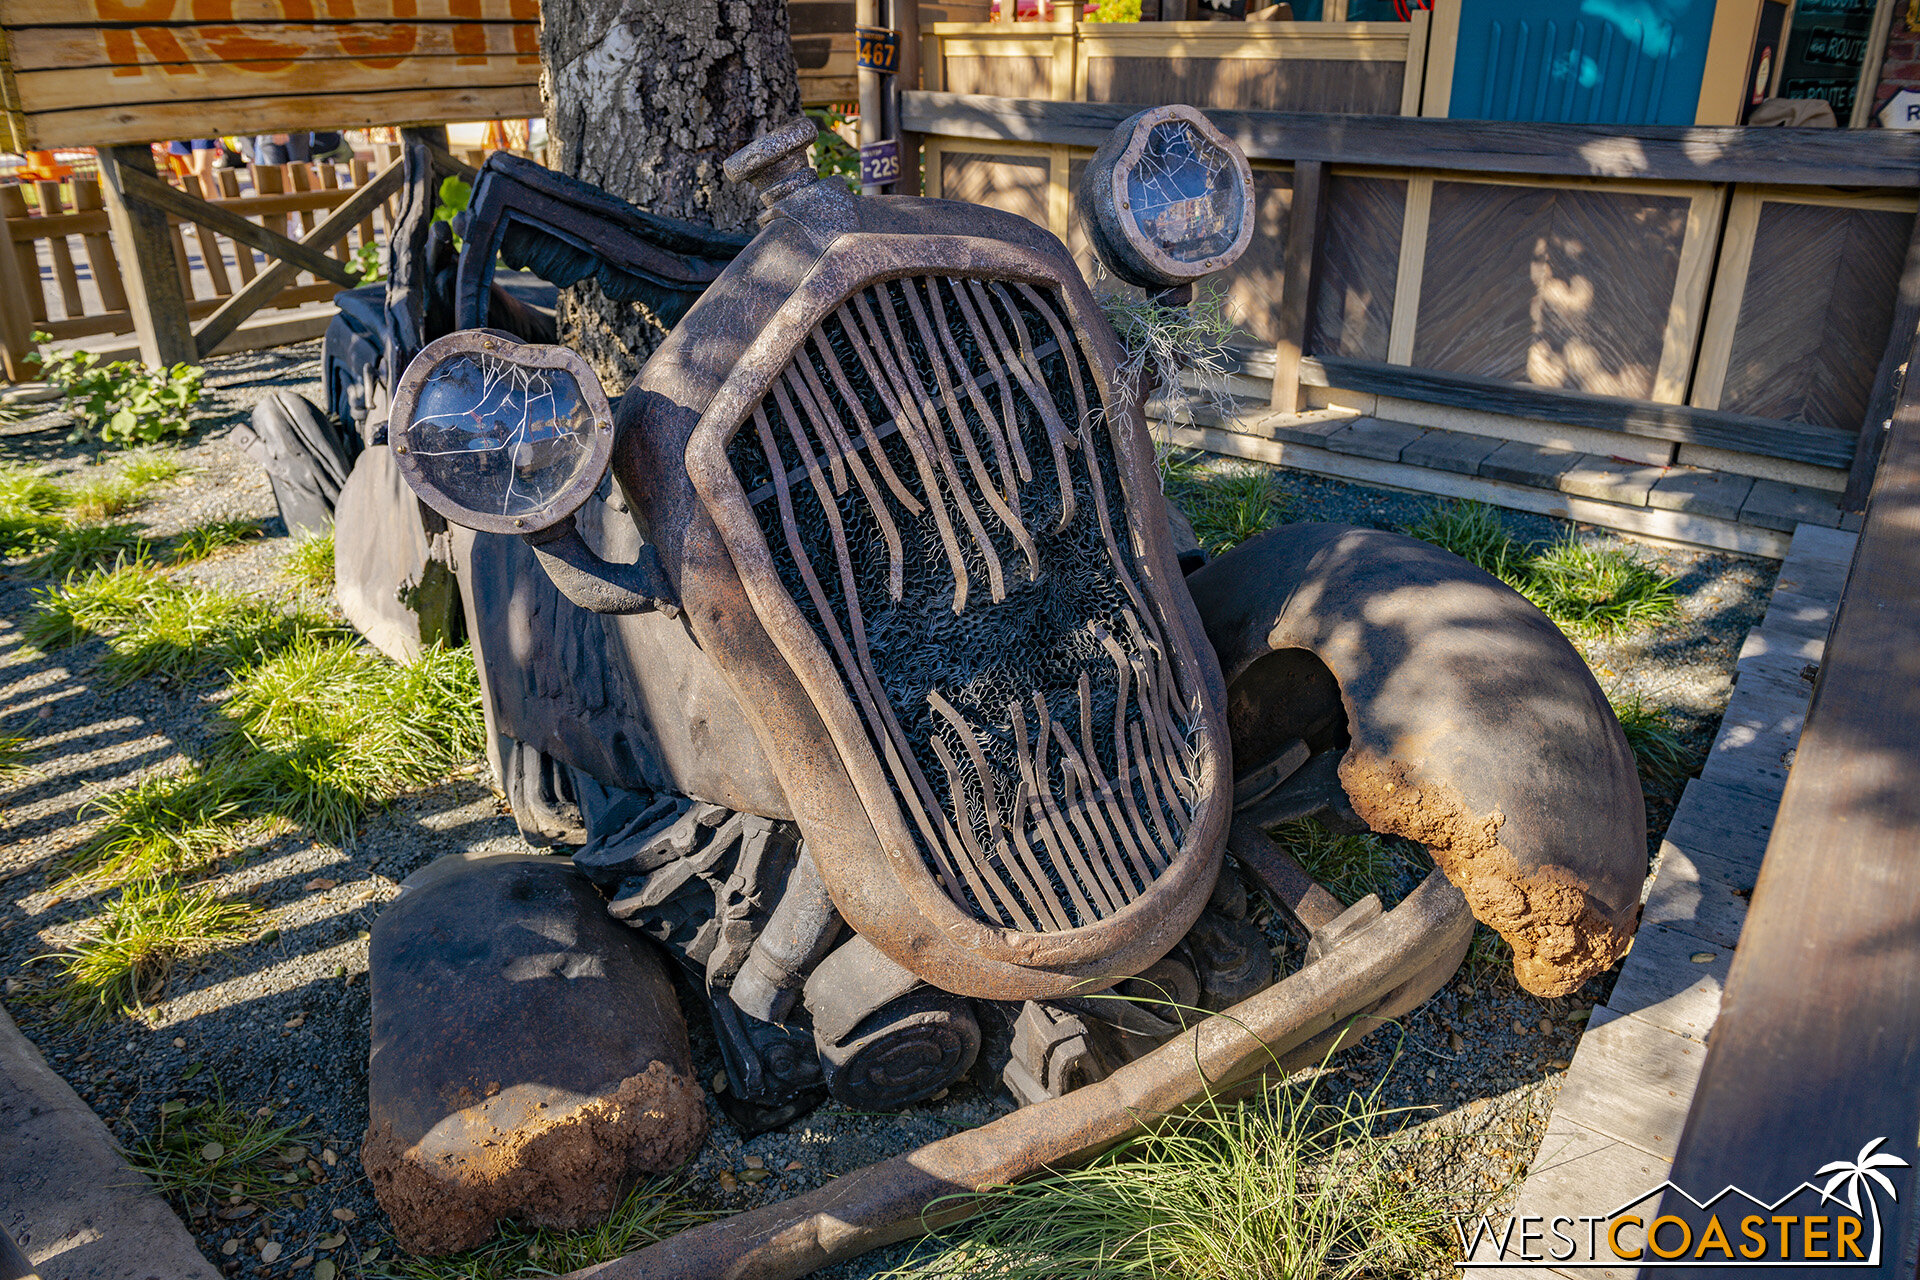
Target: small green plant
(833, 155)
(652, 1211)
(1475, 532)
(1226, 504)
(1116, 11)
(170, 825)
(29, 501)
(455, 196)
(1586, 589)
(367, 264)
(1292, 1184)
(309, 561)
(1348, 866)
(209, 1150)
(14, 753)
(148, 467)
(122, 402)
(1597, 590)
(1662, 756)
(81, 547)
(149, 928)
(203, 540)
(108, 496)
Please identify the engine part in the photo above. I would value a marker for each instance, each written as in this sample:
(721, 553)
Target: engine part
(1052, 1054)
(799, 933)
(909, 1049)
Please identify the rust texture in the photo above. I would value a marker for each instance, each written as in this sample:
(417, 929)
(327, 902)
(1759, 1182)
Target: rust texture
(1475, 728)
(1559, 935)
(565, 1167)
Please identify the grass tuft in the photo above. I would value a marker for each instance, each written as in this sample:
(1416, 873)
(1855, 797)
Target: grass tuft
(149, 467)
(309, 562)
(148, 929)
(78, 548)
(1226, 504)
(1597, 590)
(204, 540)
(652, 1211)
(1663, 757)
(1585, 589)
(1289, 1184)
(206, 1151)
(105, 497)
(1348, 866)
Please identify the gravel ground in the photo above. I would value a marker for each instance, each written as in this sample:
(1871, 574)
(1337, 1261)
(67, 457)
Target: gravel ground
(278, 1026)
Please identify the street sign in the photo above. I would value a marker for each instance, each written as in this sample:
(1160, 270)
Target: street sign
(877, 49)
(879, 163)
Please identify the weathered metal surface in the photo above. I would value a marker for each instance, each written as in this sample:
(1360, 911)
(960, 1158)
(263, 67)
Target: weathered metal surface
(307, 459)
(1406, 956)
(800, 932)
(393, 562)
(528, 1058)
(631, 701)
(1157, 242)
(876, 823)
(1476, 728)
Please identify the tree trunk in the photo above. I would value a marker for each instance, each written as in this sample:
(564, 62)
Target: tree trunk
(646, 99)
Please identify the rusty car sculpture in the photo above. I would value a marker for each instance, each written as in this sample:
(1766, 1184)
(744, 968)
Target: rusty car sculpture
(852, 649)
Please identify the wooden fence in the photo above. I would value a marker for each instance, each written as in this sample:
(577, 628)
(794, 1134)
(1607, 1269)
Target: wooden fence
(87, 295)
(1376, 68)
(1697, 291)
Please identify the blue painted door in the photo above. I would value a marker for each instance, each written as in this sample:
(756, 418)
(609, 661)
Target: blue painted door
(1581, 61)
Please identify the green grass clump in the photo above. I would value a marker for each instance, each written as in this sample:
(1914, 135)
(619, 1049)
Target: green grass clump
(347, 729)
(1597, 590)
(149, 467)
(1226, 505)
(1474, 532)
(1348, 866)
(309, 562)
(1585, 589)
(80, 547)
(155, 626)
(205, 1151)
(1286, 1185)
(169, 825)
(652, 1211)
(107, 496)
(29, 503)
(1663, 758)
(204, 540)
(13, 757)
(149, 928)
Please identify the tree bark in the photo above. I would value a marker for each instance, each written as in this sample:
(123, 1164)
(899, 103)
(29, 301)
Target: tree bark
(646, 99)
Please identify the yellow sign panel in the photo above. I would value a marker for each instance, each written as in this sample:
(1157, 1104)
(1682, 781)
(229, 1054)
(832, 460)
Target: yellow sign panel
(97, 72)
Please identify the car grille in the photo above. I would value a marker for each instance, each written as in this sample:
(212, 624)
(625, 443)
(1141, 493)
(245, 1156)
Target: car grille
(938, 487)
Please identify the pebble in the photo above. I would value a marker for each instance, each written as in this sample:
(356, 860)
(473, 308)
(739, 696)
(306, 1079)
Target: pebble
(755, 1162)
(230, 1248)
(1546, 1025)
(270, 1252)
(1520, 1028)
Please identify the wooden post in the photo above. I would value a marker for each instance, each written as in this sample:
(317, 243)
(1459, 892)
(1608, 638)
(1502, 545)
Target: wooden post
(144, 245)
(1296, 296)
(906, 19)
(873, 90)
(1888, 380)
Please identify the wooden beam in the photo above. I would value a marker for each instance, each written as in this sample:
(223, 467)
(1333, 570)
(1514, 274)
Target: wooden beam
(144, 243)
(1883, 158)
(1296, 293)
(1902, 333)
(191, 208)
(280, 274)
(1817, 1047)
(1793, 441)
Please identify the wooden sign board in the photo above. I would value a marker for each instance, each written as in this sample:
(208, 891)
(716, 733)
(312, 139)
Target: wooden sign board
(89, 73)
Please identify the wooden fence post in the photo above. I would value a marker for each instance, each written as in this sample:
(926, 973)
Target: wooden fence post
(145, 245)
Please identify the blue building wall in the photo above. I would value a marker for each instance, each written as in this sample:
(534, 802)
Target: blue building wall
(1581, 61)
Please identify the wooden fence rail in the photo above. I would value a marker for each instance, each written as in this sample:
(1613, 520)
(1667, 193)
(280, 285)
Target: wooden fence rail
(1374, 68)
(87, 294)
(1694, 292)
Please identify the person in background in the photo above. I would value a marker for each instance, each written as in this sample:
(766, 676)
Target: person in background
(328, 147)
(199, 154)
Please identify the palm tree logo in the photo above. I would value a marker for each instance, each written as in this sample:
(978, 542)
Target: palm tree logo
(1854, 1175)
